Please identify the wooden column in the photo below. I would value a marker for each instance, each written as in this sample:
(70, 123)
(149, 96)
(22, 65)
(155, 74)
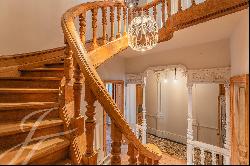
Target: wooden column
(179, 6)
(227, 144)
(116, 136)
(125, 20)
(163, 9)
(90, 155)
(94, 27)
(104, 25)
(132, 153)
(169, 8)
(154, 11)
(190, 123)
(82, 23)
(118, 22)
(112, 19)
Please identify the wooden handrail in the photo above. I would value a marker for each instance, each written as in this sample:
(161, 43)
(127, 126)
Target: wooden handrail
(94, 87)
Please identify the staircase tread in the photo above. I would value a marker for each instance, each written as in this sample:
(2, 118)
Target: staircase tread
(10, 128)
(8, 106)
(30, 78)
(27, 90)
(44, 149)
(44, 69)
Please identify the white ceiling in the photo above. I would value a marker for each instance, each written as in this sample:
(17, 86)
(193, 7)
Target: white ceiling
(216, 29)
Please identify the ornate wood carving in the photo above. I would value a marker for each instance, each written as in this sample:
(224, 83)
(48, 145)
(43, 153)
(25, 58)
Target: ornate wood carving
(112, 20)
(132, 153)
(163, 10)
(179, 6)
(118, 22)
(124, 20)
(82, 23)
(104, 25)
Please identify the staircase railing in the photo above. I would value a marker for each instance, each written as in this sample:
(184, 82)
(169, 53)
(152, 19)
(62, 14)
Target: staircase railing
(82, 58)
(78, 64)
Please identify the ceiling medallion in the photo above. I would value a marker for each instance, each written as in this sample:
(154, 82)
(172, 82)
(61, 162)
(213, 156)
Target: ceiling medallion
(142, 33)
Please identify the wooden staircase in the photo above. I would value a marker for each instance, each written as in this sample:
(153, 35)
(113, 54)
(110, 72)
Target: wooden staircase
(36, 89)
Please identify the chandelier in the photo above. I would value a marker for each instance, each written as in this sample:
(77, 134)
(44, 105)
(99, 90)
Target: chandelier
(142, 33)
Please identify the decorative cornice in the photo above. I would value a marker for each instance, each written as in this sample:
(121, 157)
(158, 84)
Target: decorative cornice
(213, 75)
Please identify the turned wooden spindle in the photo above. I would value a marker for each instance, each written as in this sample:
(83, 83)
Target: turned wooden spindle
(112, 19)
(179, 6)
(82, 23)
(132, 153)
(78, 83)
(68, 64)
(125, 20)
(118, 21)
(169, 8)
(104, 25)
(156, 162)
(163, 9)
(142, 159)
(90, 154)
(94, 27)
(193, 2)
(149, 161)
(116, 136)
(154, 11)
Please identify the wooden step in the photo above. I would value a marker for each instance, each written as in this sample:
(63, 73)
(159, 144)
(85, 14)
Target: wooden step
(17, 95)
(17, 111)
(43, 72)
(55, 65)
(29, 82)
(12, 133)
(47, 152)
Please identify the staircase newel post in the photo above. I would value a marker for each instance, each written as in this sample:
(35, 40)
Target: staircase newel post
(90, 157)
(116, 136)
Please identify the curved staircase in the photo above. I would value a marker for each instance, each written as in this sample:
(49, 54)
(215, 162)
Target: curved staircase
(56, 88)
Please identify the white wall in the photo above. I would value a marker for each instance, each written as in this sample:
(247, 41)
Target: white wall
(209, 55)
(174, 105)
(32, 25)
(239, 46)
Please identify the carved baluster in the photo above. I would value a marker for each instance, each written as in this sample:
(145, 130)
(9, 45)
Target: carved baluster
(179, 6)
(169, 8)
(116, 136)
(125, 20)
(156, 162)
(213, 158)
(149, 161)
(77, 89)
(68, 64)
(90, 155)
(104, 25)
(155, 12)
(146, 11)
(141, 159)
(193, 2)
(132, 153)
(202, 156)
(112, 19)
(163, 9)
(82, 23)
(118, 21)
(94, 26)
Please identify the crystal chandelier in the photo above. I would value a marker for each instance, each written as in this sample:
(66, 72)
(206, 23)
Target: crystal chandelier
(142, 33)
